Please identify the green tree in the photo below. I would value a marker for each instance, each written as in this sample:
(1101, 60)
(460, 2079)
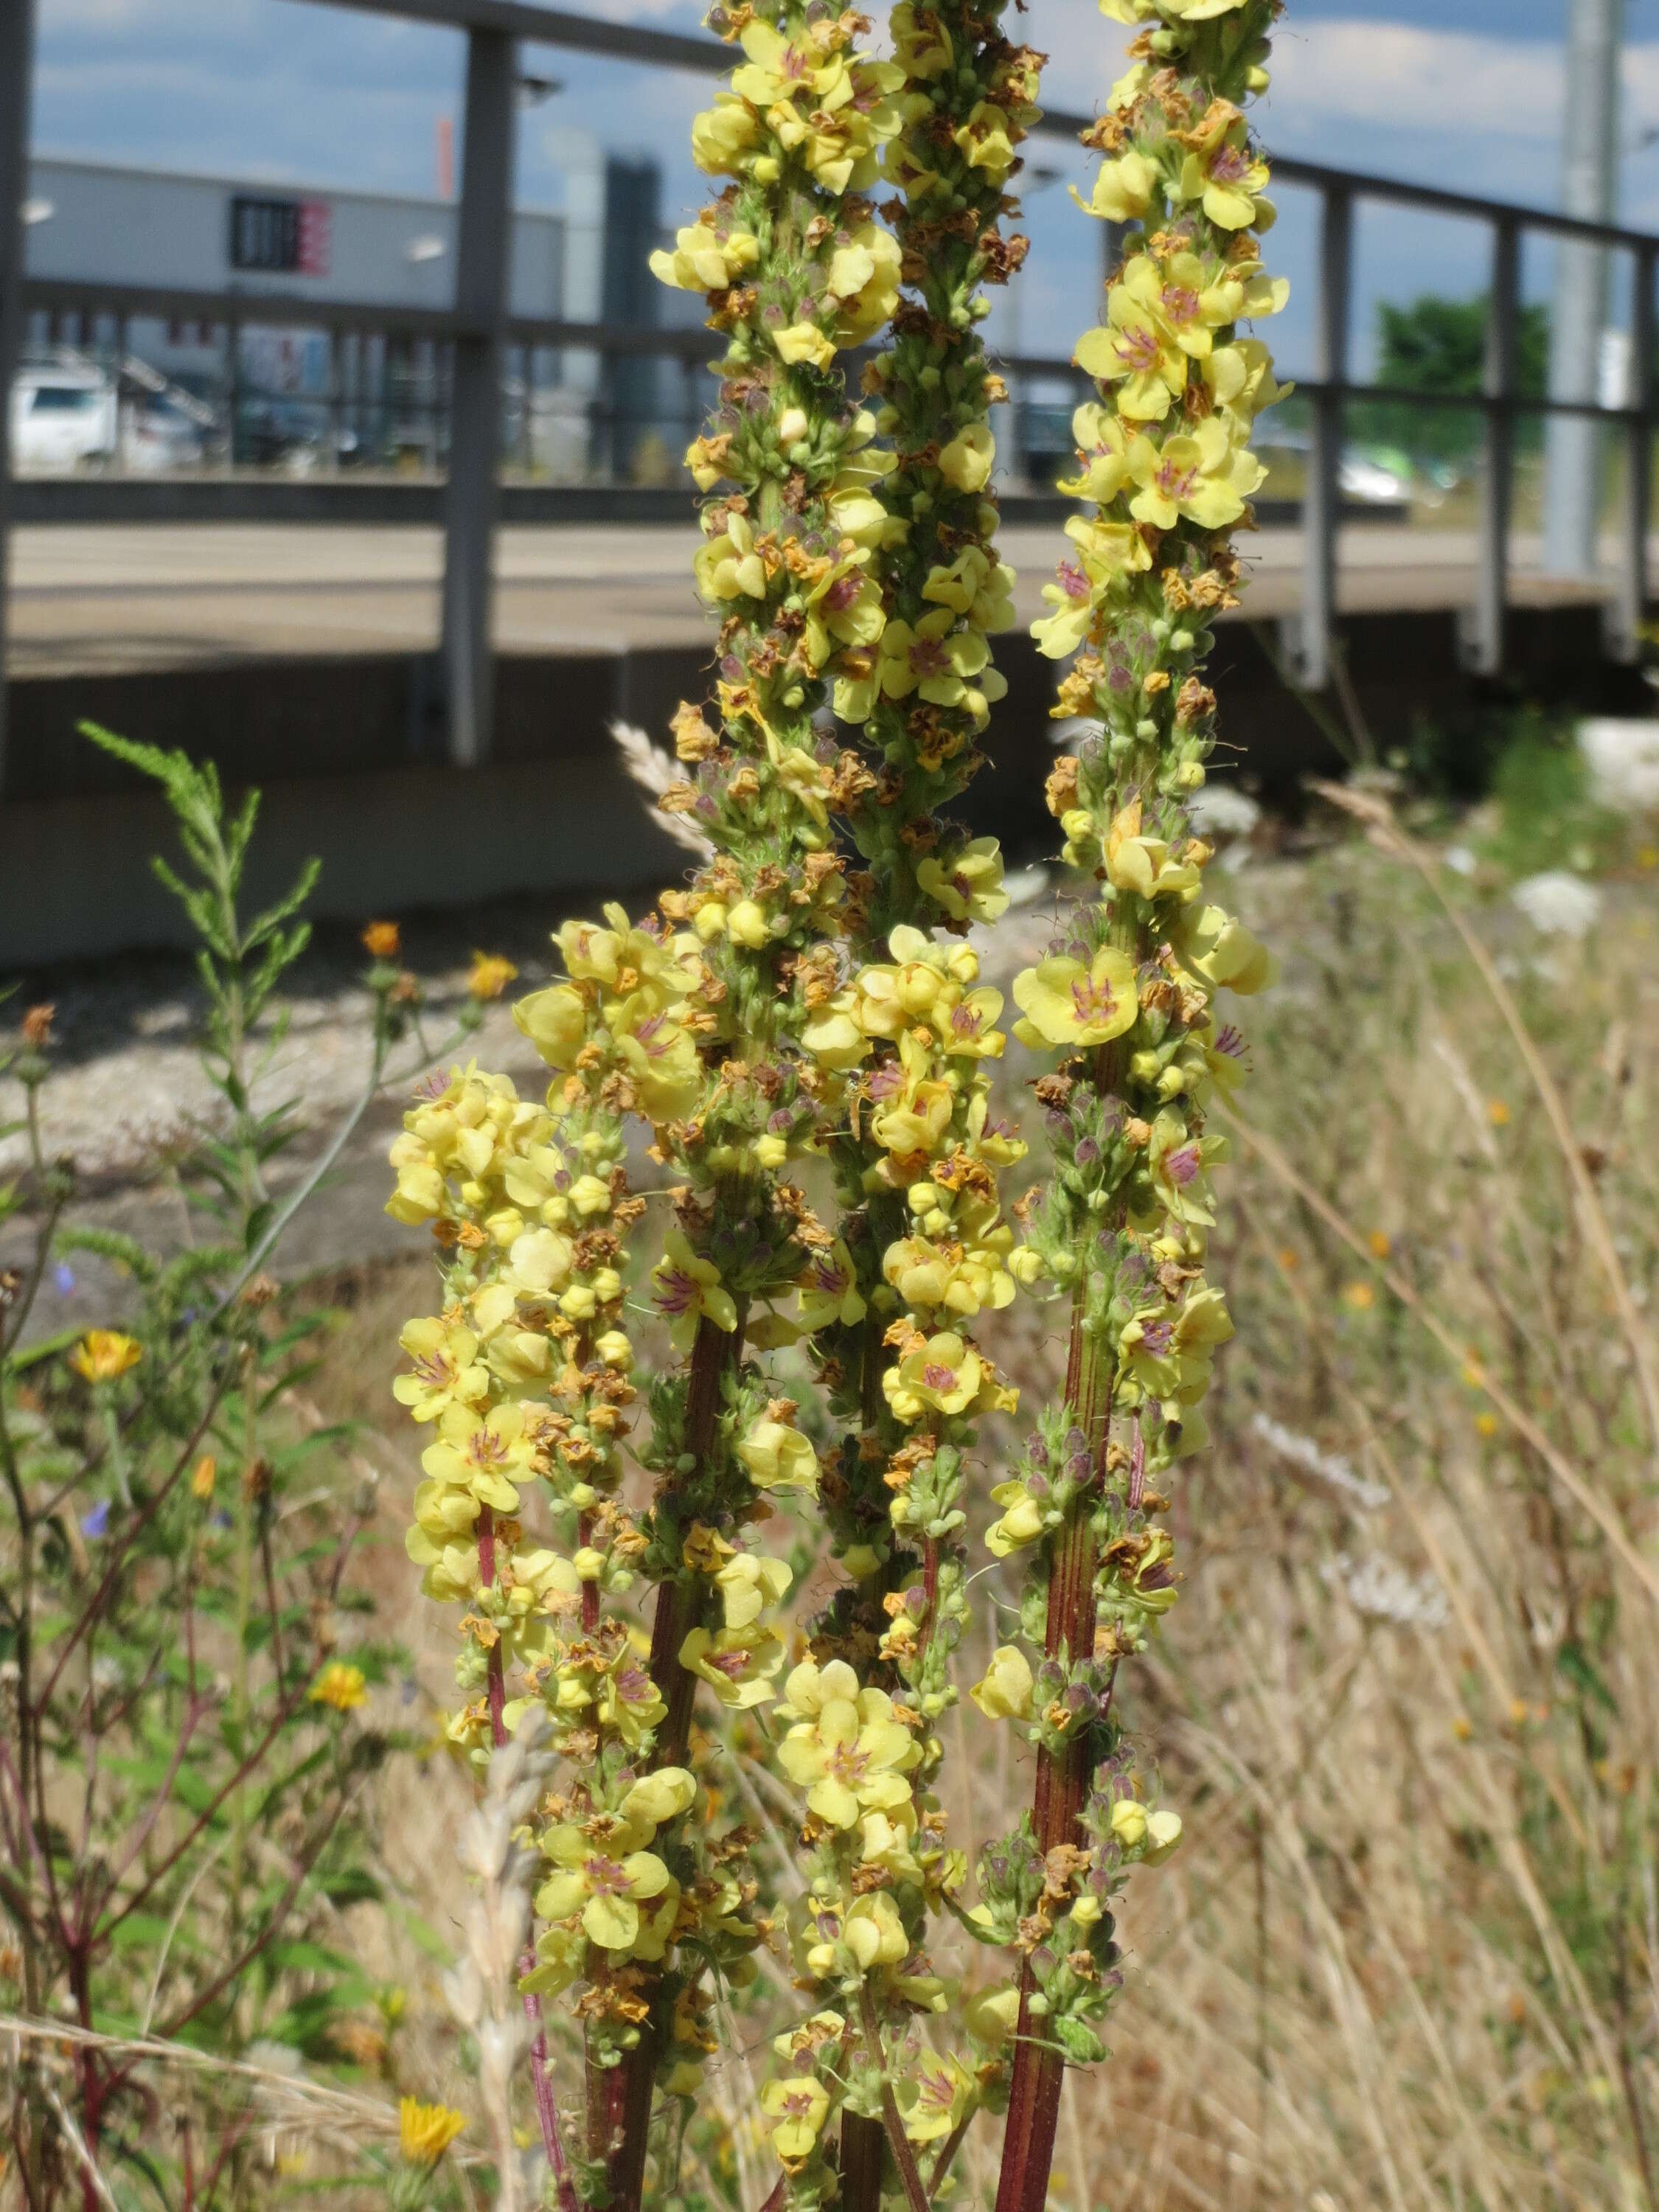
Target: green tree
(1439, 346)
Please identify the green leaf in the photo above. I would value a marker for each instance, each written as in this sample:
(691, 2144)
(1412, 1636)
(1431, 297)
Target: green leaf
(1573, 1662)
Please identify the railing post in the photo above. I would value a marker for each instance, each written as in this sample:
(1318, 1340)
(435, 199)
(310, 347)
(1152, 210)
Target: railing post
(1321, 500)
(1629, 605)
(1484, 625)
(16, 83)
(471, 496)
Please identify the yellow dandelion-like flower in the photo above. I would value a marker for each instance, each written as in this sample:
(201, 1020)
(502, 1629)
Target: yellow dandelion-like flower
(1497, 1113)
(1380, 1243)
(426, 2132)
(1360, 1296)
(103, 1354)
(381, 938)
(491, 973)
(1487, 1425)
(340, 1686)
(202, 1476)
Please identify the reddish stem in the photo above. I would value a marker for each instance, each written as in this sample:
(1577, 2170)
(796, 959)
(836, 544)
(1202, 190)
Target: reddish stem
(619, 2098)
(1062, 1785)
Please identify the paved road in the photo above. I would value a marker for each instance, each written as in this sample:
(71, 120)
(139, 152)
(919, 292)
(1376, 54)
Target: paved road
(116, 596)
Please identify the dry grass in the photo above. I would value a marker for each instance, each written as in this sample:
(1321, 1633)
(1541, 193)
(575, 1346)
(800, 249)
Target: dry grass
(1409, 1954)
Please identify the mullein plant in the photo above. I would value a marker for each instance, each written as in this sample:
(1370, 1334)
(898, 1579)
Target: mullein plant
(690, 1022)
(923, 1246)
(1124, 1005)
(777, 1008)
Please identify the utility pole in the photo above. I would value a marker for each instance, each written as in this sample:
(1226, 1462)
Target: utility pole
(1589, 188)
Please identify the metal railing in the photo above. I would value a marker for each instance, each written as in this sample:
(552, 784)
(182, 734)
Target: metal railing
(479, 327)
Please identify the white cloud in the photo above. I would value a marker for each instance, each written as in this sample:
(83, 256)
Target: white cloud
(1462, 83)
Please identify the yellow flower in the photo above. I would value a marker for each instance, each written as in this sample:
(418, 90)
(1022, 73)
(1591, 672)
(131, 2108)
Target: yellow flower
(972, 890)
(843, 607)
(1228, 179)
(1142, 864)
(936, 2097)
(944, 1374)
(939, 665)
(797, 2106)
(965, 462)
(447, 1370)
(1487, 1425)
(984, 142)
(1204, 478)
(1360, 1296)
(828, 1289)
(1004, 1693)
(727, 566)
(684, 1288)
(846, 1750)
(606, 1890)
(203, 1477)
(737, 1663)
(1223, 952)
(426, 2132)
(1022, 1520)
(103, 1354)
(381, 939)
(864, 276)
(1122, 189)
(1137, 349)
(1065, 1003)
(703, 260)
(1107, 552)
(339, 1685)
(1497, 1113)
(555, 1021)
(779, 1458)
(801, 341)
(1380, 1243)
(480, 1455)
(491, 976)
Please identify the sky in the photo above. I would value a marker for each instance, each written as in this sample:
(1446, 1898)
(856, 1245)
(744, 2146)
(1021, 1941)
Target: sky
(292, 91)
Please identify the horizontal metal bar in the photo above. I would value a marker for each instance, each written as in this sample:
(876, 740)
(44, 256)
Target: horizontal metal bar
(557, 27)
(694, 345)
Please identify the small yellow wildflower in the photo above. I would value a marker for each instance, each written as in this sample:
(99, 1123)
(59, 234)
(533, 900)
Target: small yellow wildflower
(1487, 1425)
(1497, 1113)
(1066, 1003)
(203, 1477)
(491, 973)
(382, 940)
(103, 1354)
(936, 2098)
(684, 1288)
(340, 1686)
(1380, 1243)
(797, 2105)
(426, 2132)
(1360, 1296)
(846, 1750)
(1005, 1692)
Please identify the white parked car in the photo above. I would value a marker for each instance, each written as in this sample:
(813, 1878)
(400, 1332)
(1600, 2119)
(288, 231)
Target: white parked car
(156, 438)
(61, 419)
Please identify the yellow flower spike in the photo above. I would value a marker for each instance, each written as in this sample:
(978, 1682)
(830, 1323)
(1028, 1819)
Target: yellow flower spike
(426, 2132)
(104, 1355)
(340, 1687)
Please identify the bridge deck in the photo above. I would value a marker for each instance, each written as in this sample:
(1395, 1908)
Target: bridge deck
(119, 597)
